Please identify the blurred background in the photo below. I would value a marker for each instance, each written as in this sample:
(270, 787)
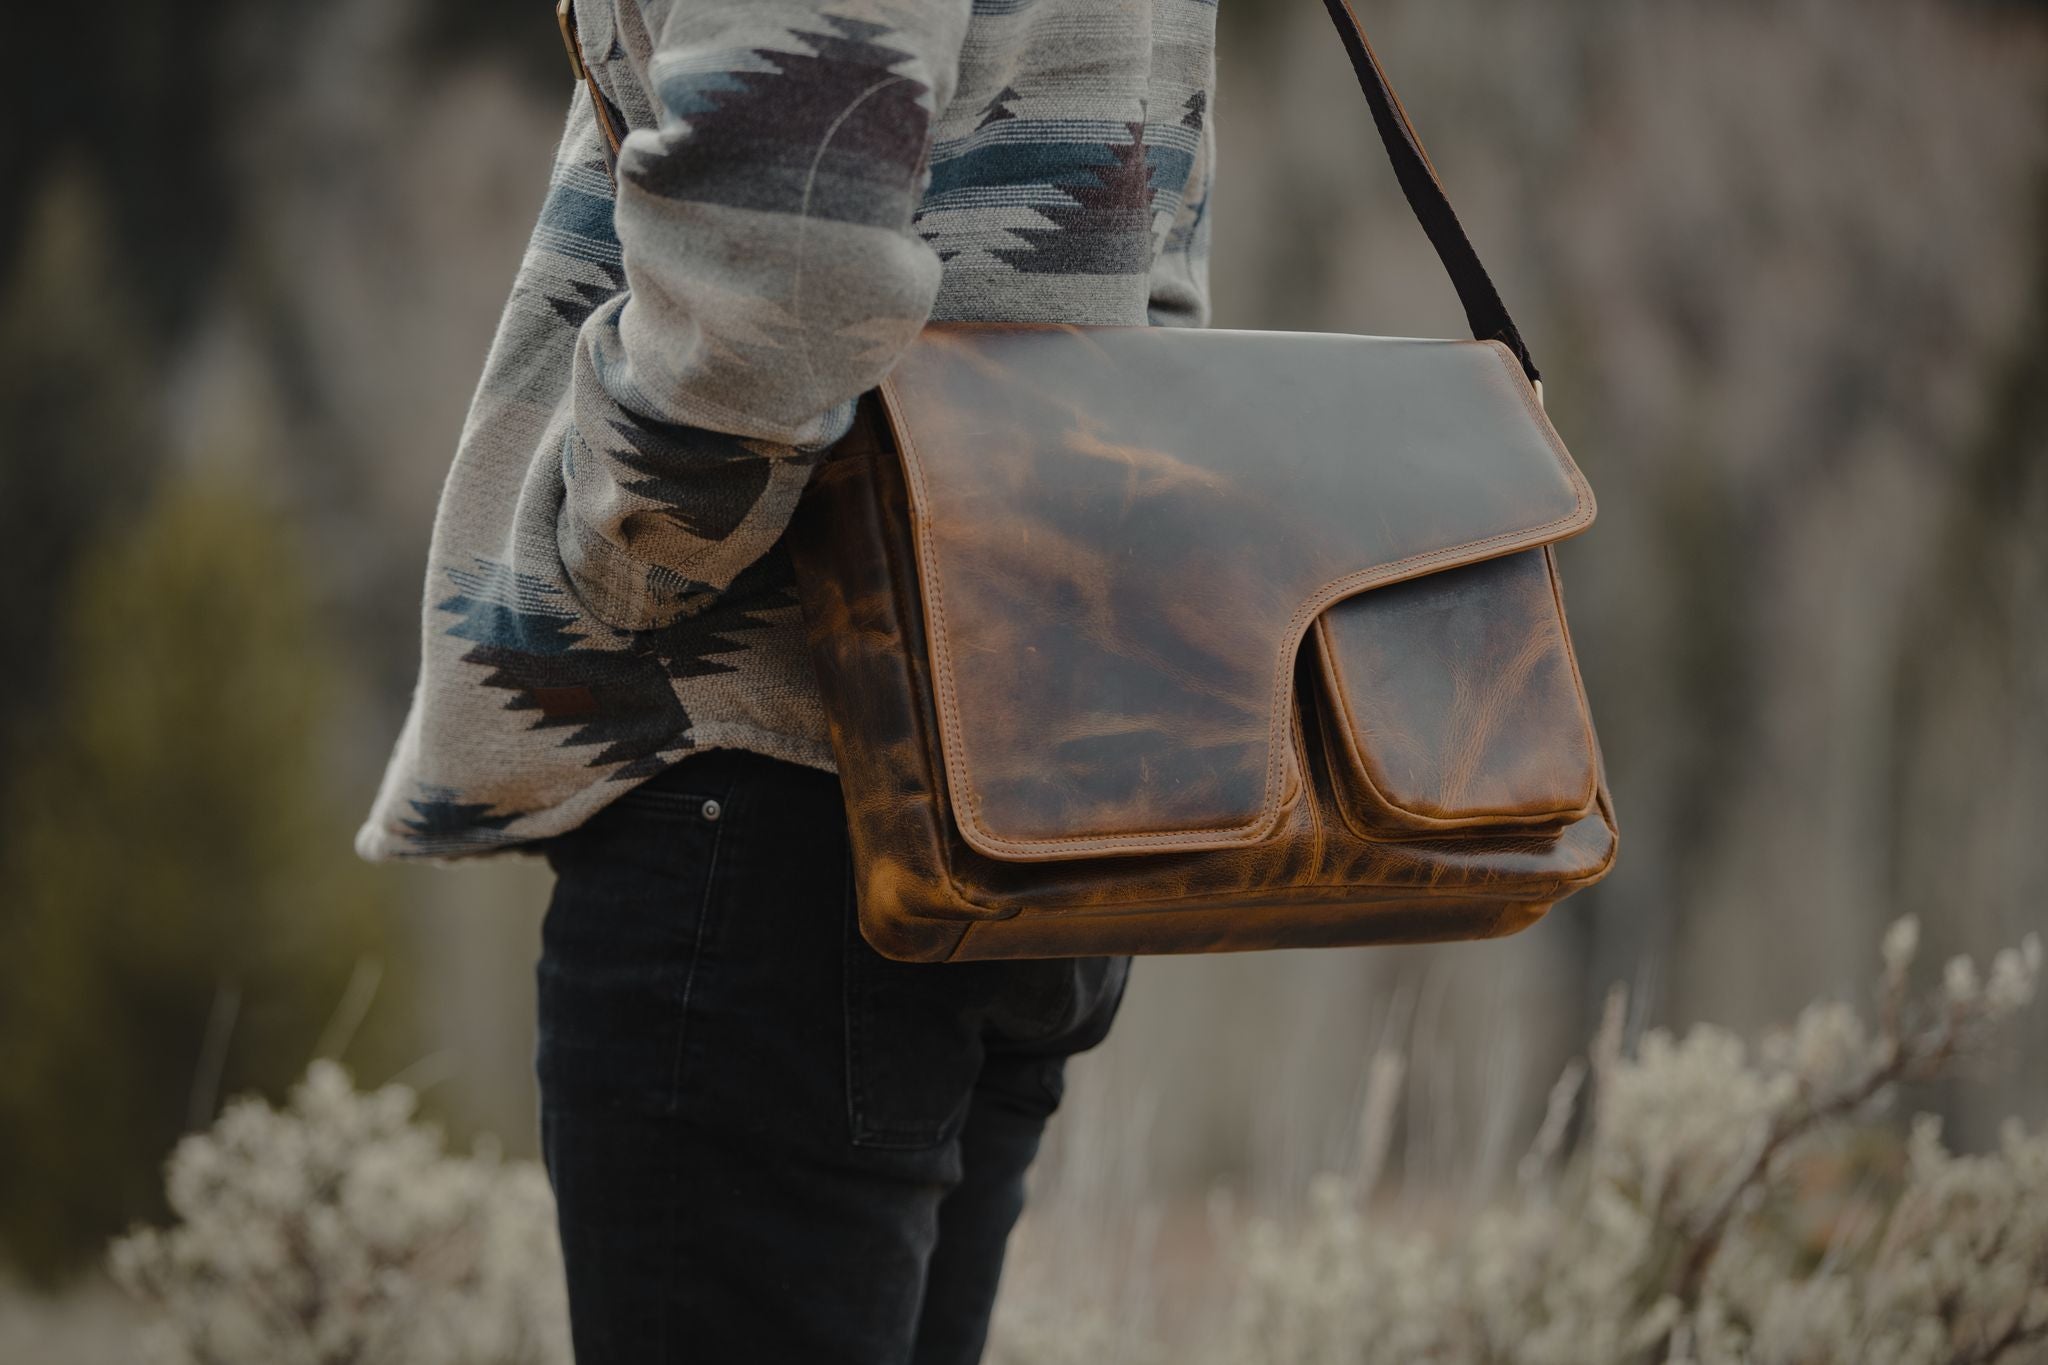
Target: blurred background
(1785, 265)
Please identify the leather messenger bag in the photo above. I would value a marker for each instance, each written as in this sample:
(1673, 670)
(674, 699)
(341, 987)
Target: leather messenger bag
(1155, 639)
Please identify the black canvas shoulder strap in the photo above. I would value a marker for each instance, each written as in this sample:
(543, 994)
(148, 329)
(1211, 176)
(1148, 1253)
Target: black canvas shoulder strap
(1484, 311)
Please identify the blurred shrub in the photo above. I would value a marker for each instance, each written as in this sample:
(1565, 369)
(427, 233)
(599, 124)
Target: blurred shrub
(183, 907)
(387, 1249)
(1727, 1205)
(1723, 1205)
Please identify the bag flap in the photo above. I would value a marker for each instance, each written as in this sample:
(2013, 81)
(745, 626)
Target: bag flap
(1123, 532)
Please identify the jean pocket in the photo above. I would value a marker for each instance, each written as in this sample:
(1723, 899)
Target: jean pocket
(623, 939)
(913, 1044)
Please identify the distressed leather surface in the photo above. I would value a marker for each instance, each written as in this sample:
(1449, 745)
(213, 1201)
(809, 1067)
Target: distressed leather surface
(1454, 701)
(1279, 855)
(1122, 534)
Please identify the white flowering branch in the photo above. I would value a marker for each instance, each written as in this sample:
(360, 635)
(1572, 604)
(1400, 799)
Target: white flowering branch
(1901, 1053)
(1672, 1236)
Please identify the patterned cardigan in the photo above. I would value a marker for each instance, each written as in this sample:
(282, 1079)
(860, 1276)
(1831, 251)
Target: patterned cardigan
(803, 184)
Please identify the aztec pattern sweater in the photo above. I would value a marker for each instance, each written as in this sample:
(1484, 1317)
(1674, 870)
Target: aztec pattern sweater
(804, 184)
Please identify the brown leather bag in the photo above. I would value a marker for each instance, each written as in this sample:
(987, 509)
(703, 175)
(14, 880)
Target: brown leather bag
(1149, 640)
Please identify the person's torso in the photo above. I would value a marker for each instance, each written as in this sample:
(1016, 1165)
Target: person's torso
(1067, 181)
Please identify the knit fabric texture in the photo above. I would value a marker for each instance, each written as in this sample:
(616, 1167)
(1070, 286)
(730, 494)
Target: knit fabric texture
(803, 185)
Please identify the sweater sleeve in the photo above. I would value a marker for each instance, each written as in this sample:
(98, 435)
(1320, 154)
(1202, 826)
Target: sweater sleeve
(772, 275)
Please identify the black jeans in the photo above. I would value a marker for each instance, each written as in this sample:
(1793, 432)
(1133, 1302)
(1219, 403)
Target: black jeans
(768, 1142)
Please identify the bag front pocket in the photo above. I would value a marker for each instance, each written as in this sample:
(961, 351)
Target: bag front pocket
(1453, 702)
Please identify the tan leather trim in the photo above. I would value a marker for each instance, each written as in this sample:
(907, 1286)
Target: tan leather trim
(954, 742)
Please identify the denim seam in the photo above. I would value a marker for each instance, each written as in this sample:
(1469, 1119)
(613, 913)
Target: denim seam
(675, 1078)
(846, 1006)
(704, 913)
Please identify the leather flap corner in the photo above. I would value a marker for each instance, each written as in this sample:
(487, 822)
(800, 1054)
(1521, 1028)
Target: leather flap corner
(1123, 534)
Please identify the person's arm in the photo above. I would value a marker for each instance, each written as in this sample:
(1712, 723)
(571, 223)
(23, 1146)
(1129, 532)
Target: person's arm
(772, 276)
(1180, 272)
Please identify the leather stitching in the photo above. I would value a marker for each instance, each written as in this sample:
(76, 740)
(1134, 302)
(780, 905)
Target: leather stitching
(1571, 655)
(952, 742)
(1262, 825)
(899, 590)
(1361, 767)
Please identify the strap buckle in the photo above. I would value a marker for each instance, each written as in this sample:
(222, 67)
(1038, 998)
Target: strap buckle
(565, 18)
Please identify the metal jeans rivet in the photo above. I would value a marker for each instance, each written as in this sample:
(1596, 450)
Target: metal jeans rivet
(712, 810)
